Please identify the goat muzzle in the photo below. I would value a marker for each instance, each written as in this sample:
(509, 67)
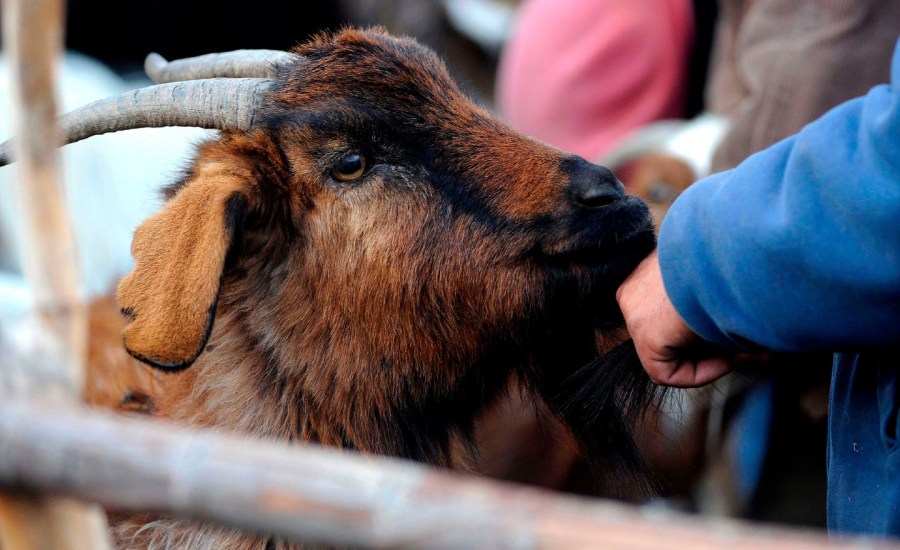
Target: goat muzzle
(591, 185)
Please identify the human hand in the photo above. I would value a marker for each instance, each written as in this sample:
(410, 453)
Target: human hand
(669, 350)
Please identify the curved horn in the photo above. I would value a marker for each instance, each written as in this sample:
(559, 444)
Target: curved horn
(236, 64)
(218, 104)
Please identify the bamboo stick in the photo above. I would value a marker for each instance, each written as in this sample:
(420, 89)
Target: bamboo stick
(32, 38)
(325, 496)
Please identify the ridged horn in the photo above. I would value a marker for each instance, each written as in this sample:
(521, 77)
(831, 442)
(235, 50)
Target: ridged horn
(236, 64)
(218, 104)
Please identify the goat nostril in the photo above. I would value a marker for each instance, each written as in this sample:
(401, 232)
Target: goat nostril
(590, 185)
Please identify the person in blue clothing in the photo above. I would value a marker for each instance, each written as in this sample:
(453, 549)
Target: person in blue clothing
(796, 249)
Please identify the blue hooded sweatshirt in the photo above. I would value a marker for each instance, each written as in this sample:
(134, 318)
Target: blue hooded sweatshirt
(798, 249)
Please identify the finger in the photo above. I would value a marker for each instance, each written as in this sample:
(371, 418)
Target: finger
(711, 369)
(690, 373)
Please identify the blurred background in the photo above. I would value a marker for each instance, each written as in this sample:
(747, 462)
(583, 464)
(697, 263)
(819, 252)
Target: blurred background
(662, 91)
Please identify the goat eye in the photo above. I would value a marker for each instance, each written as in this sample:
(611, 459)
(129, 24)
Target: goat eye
(349, 167)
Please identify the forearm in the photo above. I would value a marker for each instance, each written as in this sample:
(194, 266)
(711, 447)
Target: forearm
(798, 247)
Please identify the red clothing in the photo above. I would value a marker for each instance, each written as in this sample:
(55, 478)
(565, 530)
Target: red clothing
(582, 74)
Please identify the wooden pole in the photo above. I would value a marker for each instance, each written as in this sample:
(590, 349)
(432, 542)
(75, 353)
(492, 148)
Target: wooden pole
(32, 40)
(313, 494)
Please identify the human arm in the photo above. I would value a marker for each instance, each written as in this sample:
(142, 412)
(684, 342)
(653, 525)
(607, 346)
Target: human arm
(796, 249)
(670, 351)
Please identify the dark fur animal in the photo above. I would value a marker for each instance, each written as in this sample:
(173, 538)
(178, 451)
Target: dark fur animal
(368, 264)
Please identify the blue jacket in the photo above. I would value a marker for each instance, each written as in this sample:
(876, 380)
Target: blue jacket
(798, 249)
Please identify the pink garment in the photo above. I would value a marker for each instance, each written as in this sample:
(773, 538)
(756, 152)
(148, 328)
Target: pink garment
(582, 74)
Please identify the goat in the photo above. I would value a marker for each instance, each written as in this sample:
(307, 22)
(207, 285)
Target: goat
(364, 258)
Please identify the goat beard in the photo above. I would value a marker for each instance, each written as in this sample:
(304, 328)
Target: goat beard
(603, 394)
(603, 403)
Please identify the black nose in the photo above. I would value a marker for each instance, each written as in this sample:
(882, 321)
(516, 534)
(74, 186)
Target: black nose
(590, 185)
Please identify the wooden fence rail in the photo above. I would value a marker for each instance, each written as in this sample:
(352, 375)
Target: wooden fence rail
(330, 497)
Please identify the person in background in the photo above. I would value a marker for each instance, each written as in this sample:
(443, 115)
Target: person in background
(583, 74)
(776, 66)
(796, 249)
(779, 64)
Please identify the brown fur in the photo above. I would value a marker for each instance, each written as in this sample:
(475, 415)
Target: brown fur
(383, 314)
(115, 380)
(658, 179)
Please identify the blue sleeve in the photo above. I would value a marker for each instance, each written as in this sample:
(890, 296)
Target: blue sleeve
(798, 248)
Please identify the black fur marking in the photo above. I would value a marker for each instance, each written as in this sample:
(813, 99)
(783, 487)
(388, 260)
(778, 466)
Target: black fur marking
(602, 402)
(600, 399)
(138, 402)
(422, 430)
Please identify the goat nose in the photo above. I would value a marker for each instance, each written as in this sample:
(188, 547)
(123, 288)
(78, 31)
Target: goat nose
(590, 185)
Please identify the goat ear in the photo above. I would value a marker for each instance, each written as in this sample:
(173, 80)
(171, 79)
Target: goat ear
(180, 253)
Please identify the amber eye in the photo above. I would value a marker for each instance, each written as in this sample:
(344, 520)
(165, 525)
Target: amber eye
(349, 167)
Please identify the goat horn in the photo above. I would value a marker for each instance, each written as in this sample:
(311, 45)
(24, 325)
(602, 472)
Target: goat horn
(218, 104)
(236, 64)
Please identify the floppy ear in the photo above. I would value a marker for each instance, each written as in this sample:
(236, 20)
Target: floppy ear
(180, 254)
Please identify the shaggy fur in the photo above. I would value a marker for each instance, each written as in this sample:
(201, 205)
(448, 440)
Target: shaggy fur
(380, 314)
(115, 380)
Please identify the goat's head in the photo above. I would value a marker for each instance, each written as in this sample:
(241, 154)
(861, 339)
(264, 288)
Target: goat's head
(383, 242)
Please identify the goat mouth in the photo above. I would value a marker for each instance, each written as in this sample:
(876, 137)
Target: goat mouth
(607, 242)
(630, 247)
(608, 257)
